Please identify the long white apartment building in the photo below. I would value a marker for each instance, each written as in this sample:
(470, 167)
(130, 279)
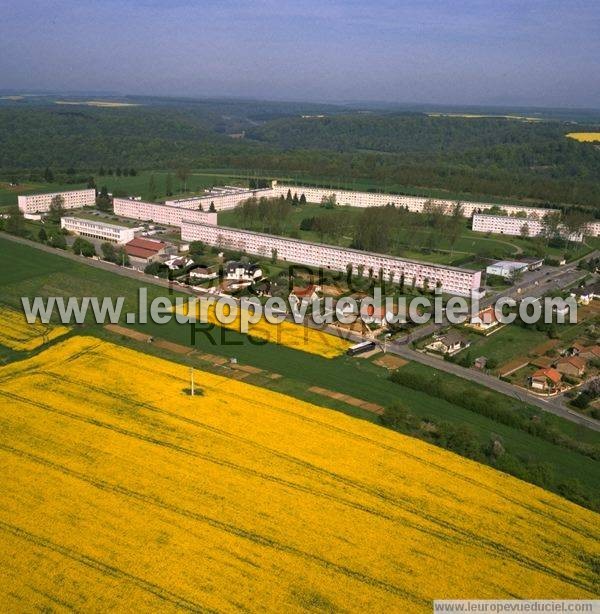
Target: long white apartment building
(224, 198)
(97, 230)
(40, 203)
(453, 280)
(414, 203)
(160, 214)
(501, 224)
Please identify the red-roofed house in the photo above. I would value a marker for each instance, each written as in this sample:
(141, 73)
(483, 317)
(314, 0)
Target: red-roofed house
(375, 315)
(484, 320)
(571, 365)
(300, 296)
(591, 352)
(546, 380)
(142, 252)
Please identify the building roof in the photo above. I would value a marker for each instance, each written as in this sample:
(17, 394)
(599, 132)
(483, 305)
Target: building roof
(552, 374)
(371, 310)
(509, 264)
(487, 316)
(304, 292)
(144, 248)
(577, 362)
(594, 349)
(452, 337)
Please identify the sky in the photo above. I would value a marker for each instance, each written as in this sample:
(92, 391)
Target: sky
(474, 52)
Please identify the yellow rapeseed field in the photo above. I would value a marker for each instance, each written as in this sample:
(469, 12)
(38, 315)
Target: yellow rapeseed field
(17, 334)
(285, 333)
(584, 137)
(119, 490)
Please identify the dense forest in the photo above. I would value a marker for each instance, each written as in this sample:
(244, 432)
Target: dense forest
(481, 156)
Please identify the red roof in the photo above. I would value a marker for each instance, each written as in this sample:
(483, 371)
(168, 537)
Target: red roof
(144, 248)
(487, 316)
(370, 310)
(152, 244)
(551, 374)
(577, 362)
(304, 292)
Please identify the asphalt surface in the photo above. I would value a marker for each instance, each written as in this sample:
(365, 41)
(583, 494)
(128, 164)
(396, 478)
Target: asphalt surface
(553, 405)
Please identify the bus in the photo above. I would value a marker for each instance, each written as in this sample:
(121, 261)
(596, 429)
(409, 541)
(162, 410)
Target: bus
(361, 348)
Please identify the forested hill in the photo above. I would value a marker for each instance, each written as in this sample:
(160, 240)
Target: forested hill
(495, 156)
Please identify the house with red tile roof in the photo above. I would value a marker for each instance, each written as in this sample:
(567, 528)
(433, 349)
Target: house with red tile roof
(545, 380)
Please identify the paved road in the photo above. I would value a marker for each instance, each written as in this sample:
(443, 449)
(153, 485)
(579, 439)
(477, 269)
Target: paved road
(552, 405)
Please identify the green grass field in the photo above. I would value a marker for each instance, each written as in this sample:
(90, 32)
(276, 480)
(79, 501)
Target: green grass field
(29, 272)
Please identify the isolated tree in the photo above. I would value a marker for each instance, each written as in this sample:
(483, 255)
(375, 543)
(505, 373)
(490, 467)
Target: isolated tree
(42, 235)
(108, 251)
(288, 196)
(274, 255)
(57, 209)
(103, 200)
(169, 185)
(83, 247)
(152, 189)
(15, 223)
(551, 225)
(58, 240)
(183, 174)
(295, 200)
(212, 207)
(302, 199)
(524, 232)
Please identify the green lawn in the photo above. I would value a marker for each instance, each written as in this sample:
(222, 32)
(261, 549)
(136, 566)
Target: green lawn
(28, 272)
(508, 343)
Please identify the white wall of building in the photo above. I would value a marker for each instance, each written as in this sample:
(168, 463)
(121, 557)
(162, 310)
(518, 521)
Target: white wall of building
(414, 203)
(223, 198)
(501, 224)
(40, 203)
(453, 280)
(98, 230)
(161, 214)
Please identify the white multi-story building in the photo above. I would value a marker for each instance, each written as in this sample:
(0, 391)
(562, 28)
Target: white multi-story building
(413, 203)
(160, 214)
(97, 230)
(452, 280)
(593, 229)
(502, 224)
(224, 198)
(73, 199)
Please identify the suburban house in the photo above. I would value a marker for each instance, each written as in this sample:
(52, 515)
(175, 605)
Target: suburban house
(573, 366)
(484, 320)
(448, 343)
(142, 252)
(300, 296)
(242, 272)
(575, 349)
(545, 380)
(372, 314)
(586, 294)
(176, 263)
(202, 273)
(591, 352)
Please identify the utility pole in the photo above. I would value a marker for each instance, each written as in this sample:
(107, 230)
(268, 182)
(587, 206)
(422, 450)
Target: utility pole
(192, 391)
